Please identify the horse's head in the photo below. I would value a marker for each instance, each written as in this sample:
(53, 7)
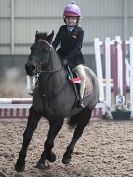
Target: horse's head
(39, 53)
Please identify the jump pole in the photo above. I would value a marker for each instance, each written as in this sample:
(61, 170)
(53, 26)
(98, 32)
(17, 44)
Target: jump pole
(108, 71)
(15, 100)
(120, 98)
(97, 45)
(30, 83)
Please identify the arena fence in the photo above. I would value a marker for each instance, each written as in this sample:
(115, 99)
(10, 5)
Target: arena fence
(18, 108)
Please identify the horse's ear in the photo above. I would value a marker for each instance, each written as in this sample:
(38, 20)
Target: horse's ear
(50, 37)
(36, 35)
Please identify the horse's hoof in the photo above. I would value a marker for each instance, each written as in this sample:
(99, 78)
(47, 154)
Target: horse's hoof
(41, 166)
(66, 161)
(66, 158)
(19, 166)
(51, 157)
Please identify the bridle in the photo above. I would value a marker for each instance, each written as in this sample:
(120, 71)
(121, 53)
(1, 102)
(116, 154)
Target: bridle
(40, 65)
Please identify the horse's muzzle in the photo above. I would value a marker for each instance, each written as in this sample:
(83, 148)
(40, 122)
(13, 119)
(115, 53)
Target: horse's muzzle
(30, 69)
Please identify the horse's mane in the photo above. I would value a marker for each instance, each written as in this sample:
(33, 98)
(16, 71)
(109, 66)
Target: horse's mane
(40, 35)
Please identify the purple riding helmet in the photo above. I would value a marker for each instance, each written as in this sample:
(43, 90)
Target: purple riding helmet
(72, 10)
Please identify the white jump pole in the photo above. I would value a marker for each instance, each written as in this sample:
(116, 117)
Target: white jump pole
(127, 67)
(30, 84)
(131, 74)
(97, 44)
(120, 98)
(127, 73)
(120, 65)
(108, 71)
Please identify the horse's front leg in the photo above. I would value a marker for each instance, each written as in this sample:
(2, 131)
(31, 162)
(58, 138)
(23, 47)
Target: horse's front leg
(55, 125)
(33, 119)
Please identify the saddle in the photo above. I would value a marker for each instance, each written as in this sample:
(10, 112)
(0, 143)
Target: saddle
(74, 78)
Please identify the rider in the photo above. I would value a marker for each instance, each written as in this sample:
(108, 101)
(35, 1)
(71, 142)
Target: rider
(70, 37)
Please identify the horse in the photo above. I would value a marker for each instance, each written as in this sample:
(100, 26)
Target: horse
(54, 99)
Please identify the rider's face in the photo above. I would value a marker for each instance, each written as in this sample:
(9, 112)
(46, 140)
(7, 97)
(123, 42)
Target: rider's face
(71, 21)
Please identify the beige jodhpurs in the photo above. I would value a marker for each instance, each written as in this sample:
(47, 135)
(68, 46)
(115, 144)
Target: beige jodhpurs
(81, 72)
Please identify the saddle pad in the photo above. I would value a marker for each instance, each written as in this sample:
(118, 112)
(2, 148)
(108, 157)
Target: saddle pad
(76, 80)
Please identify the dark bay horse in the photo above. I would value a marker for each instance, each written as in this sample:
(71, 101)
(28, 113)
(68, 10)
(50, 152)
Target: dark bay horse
(54, 98)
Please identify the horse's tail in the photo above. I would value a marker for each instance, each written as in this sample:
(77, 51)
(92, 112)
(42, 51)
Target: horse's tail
(73, 122)
(81, 119)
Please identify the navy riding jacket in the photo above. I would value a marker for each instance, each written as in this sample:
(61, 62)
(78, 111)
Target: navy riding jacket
(70, 45)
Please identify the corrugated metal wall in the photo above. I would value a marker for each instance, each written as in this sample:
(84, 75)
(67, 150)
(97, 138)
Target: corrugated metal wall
(19, 19)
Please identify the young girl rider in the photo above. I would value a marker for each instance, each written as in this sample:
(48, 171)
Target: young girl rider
(70, 37)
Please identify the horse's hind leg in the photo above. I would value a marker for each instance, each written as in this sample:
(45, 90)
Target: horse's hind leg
(33, 119)
(55, 125)
(81, 119)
